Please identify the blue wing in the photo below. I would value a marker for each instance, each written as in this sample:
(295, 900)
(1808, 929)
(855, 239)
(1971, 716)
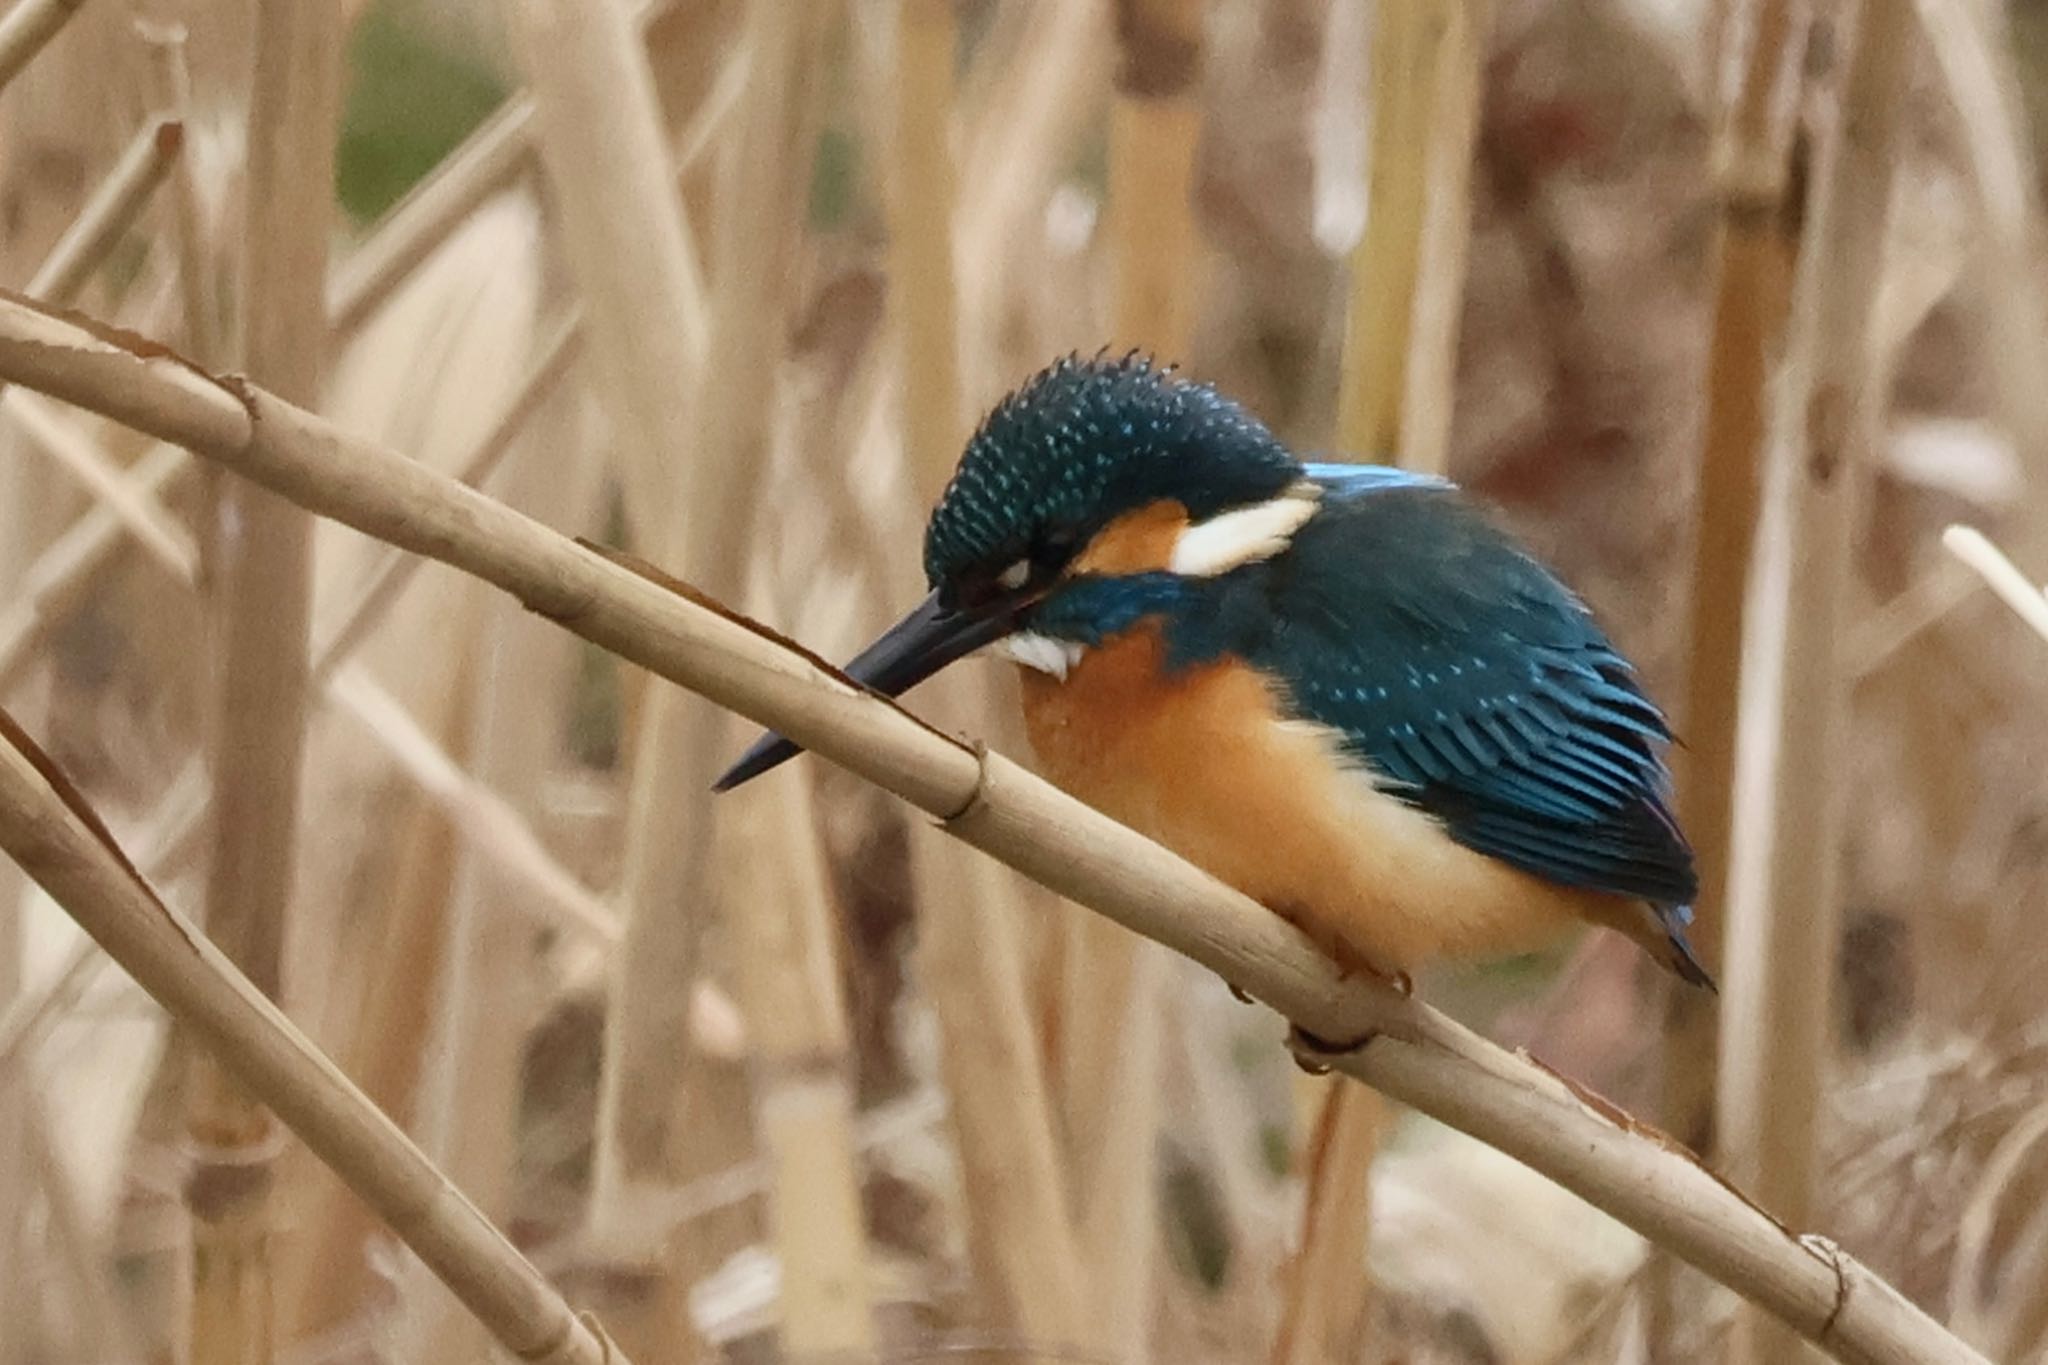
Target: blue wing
(1475, 684)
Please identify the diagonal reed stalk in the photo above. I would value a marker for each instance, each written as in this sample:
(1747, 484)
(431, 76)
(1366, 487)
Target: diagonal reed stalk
(1410, 1052)
(1784, 883)
(47, 830)
(115, 205)
(261, 552)
(28, 25)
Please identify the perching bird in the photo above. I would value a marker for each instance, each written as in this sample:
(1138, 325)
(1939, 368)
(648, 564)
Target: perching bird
(1338, 688)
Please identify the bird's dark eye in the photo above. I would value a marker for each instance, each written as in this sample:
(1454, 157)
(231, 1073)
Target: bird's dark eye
(1052, 551)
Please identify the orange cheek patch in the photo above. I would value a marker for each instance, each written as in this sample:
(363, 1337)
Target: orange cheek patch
(1136, 542)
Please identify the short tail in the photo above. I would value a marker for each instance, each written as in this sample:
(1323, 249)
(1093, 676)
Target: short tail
(1682, 959)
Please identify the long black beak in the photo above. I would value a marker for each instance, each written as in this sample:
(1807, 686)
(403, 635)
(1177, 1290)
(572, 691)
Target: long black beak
(903, 656)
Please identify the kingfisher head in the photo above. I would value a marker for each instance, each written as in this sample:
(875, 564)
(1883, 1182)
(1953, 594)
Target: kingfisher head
(1082, 495)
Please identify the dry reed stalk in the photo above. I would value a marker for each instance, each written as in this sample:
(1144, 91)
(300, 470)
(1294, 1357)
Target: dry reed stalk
(779, 925)
(113, 208)
(29, 25)
(694, 438)
(1110, 1014)
(46, 829)
(1756, 247)
(486, 820)
(490, 987)
(53, 584)
(1418, 48)
(136, 510)
(1020, 1233)
(2000, 574)
(1021, 122)
(199, 292)
(920, 204)
(1757, 244)
(353, 622)
(1784, 885)
(492, 826)
(634, 265)
(1414, 1053)
(323, 1274)
(1328, 1286)
(263, 576)
(789, 987)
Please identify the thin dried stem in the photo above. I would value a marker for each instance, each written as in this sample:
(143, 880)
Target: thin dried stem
(1784, 875)
(43, 828)
(1414, 1054)
(381, 586)
(789, 981)
(2000, 574)
(262, 566)
(136, 509)
(1757, 245)
(1020, 1232)
(1110, 1024)
(493, 828)
(110, 212)
(1407, 271)
(1327, 1305)
(26, 28)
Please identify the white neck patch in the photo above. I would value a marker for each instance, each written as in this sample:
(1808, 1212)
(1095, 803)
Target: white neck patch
(1243, 535)
(1041, 652)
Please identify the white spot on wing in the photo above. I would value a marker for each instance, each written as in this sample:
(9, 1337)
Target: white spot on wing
(1041, 652)
(1242, 536)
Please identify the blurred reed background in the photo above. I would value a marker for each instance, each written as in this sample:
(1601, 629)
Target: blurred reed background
(1730, 307)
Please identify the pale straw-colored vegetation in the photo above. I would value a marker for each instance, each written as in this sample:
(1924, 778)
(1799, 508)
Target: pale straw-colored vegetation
(367, 929)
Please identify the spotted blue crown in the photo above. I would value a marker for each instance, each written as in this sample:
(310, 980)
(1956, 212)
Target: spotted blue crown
(1081, 443)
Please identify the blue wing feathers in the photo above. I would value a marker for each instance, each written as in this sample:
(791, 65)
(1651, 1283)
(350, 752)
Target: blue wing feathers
(1470, 680)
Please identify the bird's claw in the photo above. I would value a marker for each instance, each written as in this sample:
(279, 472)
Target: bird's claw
(1240, 994)
(1311, 1050)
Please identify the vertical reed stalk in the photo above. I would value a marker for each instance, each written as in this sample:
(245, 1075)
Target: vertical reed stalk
(1756, 245)
(632, 259)
(489, 977)
(1328, 1301)
(1019, 1230)
(789, 978)
(780, 930)
(1110, 1020)
(1407, 271)
(263, 579)
(1784, 885)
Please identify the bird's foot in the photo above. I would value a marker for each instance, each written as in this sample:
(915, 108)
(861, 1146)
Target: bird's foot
(1239, 993)
(1400, 983)
(1313, 1053)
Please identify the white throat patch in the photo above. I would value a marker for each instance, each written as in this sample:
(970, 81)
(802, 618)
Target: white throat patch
(1243, 535)
(1041, 652)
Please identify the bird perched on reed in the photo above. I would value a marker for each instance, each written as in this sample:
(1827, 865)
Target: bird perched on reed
(1339, 688)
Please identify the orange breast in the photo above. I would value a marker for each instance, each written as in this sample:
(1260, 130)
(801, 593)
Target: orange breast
(1204, 762)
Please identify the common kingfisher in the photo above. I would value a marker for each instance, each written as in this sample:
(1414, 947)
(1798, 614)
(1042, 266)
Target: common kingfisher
(1339, 688)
